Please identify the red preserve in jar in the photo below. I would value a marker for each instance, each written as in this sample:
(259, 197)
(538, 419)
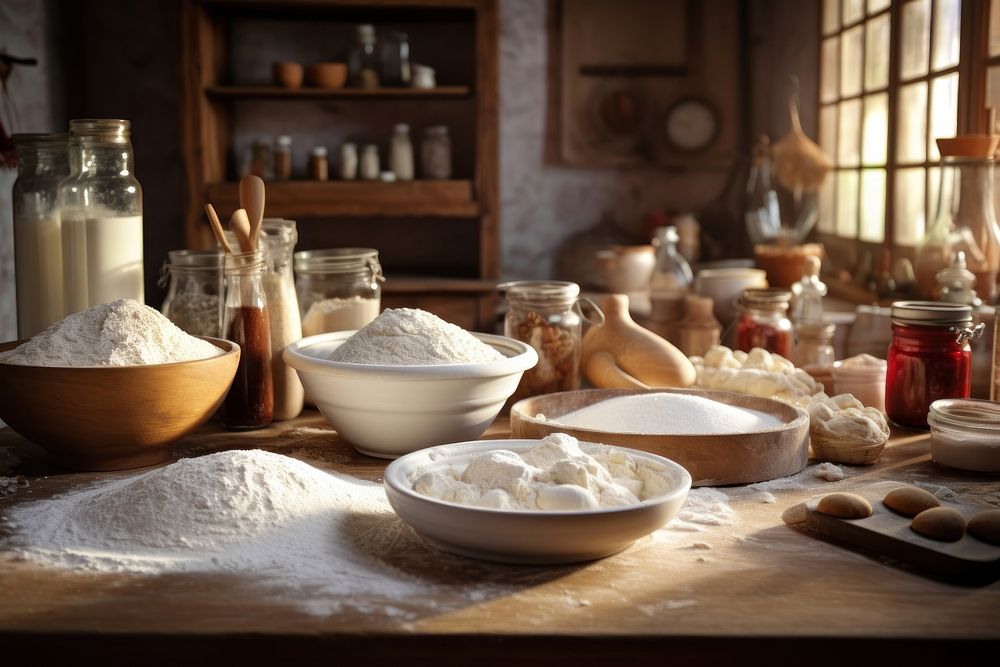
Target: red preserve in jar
(929, 358)
(764, 321)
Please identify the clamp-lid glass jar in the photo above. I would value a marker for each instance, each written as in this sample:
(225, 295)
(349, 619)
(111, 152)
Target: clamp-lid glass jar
(194, 299)
(339, 289)
(929, 358)
(764, 321)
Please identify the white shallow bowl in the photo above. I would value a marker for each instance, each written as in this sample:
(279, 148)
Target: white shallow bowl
(388, 411)
(526, 536)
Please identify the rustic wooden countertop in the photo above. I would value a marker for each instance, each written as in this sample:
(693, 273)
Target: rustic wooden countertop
(756, 590)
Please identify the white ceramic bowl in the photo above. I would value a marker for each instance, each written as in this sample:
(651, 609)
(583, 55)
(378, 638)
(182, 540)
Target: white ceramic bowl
(724, 286)
(388, 411)
(526, 536)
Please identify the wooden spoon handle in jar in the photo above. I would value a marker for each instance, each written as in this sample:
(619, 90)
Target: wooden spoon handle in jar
(240, 224)
(252, 199)
(220, 234)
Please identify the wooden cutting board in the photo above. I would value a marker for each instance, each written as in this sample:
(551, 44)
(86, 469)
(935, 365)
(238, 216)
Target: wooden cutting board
(887, 534)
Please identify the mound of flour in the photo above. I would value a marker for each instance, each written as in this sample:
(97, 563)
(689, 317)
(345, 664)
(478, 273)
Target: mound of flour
(411, 337)
(120, 333)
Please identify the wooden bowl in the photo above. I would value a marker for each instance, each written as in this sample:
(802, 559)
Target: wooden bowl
(327, 75)
(712, 460)
(287, 74)
(113, 417)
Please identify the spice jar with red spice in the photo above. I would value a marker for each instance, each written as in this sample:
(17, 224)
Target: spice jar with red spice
(929, 358)
(764, 321)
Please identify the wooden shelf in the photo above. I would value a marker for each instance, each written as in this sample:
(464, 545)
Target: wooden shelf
(303, 199)
(409, 284)
(276, 92)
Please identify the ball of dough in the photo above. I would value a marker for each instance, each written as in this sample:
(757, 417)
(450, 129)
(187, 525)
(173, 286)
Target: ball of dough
(844, 506)
(940, 523)
(910, 500)
(985, 526)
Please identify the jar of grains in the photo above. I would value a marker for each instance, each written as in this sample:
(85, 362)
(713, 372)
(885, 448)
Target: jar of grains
(547, 315)
(339, 289)
(194, 296)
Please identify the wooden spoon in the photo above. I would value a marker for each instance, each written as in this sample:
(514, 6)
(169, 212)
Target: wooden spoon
(240, 224)
(220, 234)
(252, 199)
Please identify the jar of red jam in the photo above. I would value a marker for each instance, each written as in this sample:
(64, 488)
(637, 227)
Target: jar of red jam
(929, 358)
(764, 321)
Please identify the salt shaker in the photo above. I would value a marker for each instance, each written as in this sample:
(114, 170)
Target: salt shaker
(348, 161)
(369, 163)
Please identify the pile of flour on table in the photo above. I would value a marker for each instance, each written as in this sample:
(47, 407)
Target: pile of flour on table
(411, 337)
(556, 474)
(237, 511)
(120, 333)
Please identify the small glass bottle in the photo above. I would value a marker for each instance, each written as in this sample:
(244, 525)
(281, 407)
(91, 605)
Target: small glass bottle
(547, 316)
(396, 60)
(370, 166)
(764, 321)
(363, 61)
(261, 163)
(278, 238)
(401, 153)
(194, 296)
(929, 358)
(761, 212)
(319, 166)
(435, 153)
(955, 283)
(699, 330)
(807, 294)
(283, 158)
(671, 271)
(814, 344)
(339, 289)
(100, 211)
(250, 401)
(42, 163)
(348, 161)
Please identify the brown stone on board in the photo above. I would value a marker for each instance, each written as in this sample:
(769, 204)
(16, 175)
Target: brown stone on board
(940, 523)
(910, 500)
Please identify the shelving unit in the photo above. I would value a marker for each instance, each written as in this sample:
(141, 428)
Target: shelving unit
(438, 240)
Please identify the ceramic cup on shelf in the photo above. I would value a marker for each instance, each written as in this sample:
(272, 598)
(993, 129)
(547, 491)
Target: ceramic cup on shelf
(724, 286)
(287, 74)
(626, 269)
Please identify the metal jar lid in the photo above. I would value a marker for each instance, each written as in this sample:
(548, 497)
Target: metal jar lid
(930, 313)
(765, 297)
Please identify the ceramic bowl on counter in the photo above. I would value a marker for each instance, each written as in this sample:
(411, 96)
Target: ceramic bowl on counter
(527, 536)
(387, 411)
(114, 417)
(965, 434)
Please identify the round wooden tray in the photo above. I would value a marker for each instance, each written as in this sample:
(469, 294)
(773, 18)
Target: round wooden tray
(712, 460)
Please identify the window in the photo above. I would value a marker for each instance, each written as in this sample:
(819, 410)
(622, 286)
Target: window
(889, 85)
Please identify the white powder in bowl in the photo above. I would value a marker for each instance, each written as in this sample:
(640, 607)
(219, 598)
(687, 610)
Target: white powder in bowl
(412, 337)
(558, 474)
(120, 333)
(663, 413)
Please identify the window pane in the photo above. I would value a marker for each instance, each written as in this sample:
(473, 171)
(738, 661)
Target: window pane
(827, 222)
(873, 205)
(828, 129)
(831, 16)
(850, 61)
(915, 39)
(993, 90)
(910, 210)
(947, 32)
(911, 132)
(847, 204)
(944, 111)
(849, 134)
(877, 5)
(995, 27)
(933, 188)
(876, 129)
(853, 10)
(877, 53)
(831, 70)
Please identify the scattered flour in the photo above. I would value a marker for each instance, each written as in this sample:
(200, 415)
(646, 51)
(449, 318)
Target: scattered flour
(120, 333)
(9, 485)
(410, 337)
(556, 474)
(704, 507)
(940, 492)
(660, 413)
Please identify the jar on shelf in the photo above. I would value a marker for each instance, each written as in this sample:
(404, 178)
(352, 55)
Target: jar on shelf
(401, 153)
(283, 158)
(363, 59)
(929, 358)
(764, 321)
(348, 161)
(396, 60)
(435, 153)
(261, 163)
(278, 239)
(194, 295)
(319, 166)
(100, 211)
(547, 315)
(699, 331)
(814, 344)
(42, 163)
(370, 166)
(250, 401)
(339, 289)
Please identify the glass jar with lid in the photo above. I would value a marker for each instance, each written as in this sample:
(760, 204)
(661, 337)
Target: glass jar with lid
(194, 296)
(278, 239)
(548, 316)
(339, 289)
(435, 153)
(100, 209)
(929, 358)
(42, 163)
(814, 344)
(764, 321)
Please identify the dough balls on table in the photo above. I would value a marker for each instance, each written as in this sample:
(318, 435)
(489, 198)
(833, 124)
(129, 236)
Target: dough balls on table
(910, 500)
(985, 526)
(940, 523)
(844, 506)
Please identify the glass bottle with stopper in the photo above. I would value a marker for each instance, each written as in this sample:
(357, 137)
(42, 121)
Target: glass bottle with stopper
(669, 283)
(955, 283)
(807, 294)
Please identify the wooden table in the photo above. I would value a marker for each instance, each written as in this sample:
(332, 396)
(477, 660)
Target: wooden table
(754, 591)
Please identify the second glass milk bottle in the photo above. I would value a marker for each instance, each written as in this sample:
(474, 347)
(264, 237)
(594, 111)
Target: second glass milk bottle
(100, 205)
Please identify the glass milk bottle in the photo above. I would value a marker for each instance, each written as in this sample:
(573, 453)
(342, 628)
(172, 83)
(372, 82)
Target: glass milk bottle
(100, 206)
(43, 162)
(279, 238)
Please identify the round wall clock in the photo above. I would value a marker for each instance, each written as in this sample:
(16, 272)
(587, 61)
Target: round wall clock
(691, 125)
